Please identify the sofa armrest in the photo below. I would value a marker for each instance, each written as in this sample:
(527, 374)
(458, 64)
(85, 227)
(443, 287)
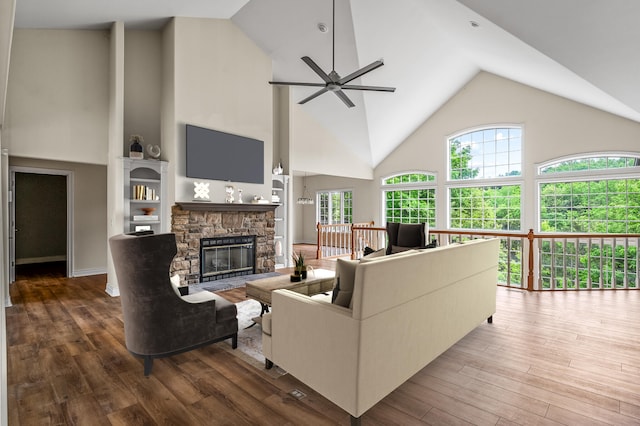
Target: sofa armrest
(317, 342)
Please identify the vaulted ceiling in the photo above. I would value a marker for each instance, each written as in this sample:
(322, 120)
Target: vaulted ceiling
(584, 50)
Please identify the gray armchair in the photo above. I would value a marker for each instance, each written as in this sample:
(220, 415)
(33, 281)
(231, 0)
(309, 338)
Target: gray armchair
(157, 321)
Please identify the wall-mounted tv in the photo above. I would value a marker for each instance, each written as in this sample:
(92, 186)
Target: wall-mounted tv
(216, 155)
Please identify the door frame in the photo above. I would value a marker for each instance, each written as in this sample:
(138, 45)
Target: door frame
(12, 214)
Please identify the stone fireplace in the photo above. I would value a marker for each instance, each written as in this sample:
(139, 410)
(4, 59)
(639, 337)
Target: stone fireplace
(193, 222)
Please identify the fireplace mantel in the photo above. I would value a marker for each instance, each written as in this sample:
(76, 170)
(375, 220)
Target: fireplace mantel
(225, 207)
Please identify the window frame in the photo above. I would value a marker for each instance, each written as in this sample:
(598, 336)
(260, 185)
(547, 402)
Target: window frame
(588, 175)
(330, 210)
(452, 136)
(409, 186)
(509, 180)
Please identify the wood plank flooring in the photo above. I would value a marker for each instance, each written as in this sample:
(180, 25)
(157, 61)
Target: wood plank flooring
(548, 358)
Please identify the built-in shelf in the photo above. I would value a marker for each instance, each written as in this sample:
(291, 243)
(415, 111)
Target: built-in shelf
(151, 175)
(280, 189)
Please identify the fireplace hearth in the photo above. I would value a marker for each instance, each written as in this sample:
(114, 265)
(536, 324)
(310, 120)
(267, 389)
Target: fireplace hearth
(226, 257)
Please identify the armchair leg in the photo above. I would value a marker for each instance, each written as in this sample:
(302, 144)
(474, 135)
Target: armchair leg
(234, 341)
(490, 319)
(268, 364)
(148, 365)
(355, 421)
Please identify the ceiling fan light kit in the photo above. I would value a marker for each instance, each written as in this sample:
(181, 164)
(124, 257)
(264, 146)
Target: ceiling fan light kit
(332, 81)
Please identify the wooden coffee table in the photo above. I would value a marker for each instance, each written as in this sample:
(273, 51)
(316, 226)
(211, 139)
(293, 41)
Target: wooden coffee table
(317, 281)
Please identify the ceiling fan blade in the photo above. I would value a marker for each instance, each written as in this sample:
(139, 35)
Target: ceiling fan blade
(372, 88)
(293, 83)
(313, 96)
(372, 66)
(344, 98)
(323, 75)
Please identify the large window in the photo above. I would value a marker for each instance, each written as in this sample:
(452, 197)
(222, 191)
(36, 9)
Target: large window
(485, 167)
(410, 198)
(599, 194)
(334, 207)
(593, 194)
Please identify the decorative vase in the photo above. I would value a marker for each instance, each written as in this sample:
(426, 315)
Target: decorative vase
(135, 149)
(153, 151)
(229, 190)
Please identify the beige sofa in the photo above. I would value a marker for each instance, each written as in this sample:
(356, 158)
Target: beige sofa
(406, 310)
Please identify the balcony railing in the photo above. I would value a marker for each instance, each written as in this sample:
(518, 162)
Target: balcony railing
(536, 261)
(335, 240)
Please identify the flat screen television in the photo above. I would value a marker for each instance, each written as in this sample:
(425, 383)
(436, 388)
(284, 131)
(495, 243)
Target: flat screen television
(216, 155)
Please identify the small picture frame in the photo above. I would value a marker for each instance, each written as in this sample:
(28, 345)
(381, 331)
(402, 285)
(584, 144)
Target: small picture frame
(143, 228)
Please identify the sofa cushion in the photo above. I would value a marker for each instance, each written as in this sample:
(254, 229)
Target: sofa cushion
(175, 283)
(367, 259)
(344, 281)
(266, 324)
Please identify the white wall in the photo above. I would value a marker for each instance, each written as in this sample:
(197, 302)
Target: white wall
(314, 149)
(58, 95)
(220, 82)
(553, 127)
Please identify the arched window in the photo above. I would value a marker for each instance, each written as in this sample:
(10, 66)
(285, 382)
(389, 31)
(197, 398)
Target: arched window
(484, 179)
(410, 197)
(597, 193)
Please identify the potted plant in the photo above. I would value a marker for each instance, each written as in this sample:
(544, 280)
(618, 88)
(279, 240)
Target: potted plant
(299, 268)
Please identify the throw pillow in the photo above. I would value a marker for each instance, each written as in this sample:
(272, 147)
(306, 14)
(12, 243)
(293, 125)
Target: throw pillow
(373, 254)
(345, 278)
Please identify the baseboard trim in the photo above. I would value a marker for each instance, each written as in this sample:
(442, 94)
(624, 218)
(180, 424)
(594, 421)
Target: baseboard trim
(43, 259)
(87, 272)
(112, 291)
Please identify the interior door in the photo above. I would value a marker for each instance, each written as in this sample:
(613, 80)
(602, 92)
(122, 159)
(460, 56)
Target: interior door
(12, 227)
(38, 229)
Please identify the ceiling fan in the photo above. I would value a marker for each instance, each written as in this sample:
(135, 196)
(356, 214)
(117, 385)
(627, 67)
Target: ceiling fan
(332, 81)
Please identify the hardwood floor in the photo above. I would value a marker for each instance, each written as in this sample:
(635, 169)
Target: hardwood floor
(548, 358)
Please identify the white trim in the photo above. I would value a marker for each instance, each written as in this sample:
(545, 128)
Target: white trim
(43, 259)
(112, 290)
(433, 182)
(70, 203)
(581, 156)
(89, 272)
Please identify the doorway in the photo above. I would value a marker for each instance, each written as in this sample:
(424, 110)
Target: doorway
(40, 220)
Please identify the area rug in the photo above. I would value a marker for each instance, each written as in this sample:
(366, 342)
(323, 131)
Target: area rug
(250, 338)
(229, 283)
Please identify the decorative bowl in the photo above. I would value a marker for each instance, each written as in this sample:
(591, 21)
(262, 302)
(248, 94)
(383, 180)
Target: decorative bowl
(148, 210)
